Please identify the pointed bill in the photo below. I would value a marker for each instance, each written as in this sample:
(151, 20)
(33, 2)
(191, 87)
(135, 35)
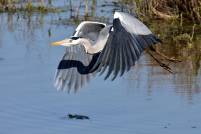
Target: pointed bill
(60, 43)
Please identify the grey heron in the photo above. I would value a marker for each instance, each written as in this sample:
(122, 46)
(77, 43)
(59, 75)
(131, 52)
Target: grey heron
(97, 47)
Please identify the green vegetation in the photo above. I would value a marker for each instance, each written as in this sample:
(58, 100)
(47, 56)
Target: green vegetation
(180, 17)
(169, 9)
(17, 6)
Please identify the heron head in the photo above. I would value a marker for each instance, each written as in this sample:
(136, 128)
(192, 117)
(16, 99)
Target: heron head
(67, 42)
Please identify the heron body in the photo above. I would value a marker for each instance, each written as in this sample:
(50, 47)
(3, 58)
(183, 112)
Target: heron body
(97, 47)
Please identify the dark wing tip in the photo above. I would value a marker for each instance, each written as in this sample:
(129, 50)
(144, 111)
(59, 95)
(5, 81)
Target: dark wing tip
(122, 50)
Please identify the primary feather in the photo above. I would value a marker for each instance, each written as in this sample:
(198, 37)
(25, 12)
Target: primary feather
(110, 49)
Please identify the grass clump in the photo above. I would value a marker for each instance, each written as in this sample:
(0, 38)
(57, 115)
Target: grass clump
(16, 6)
(29, 6)
(7, 5)
(184, 39)
(169, 9)
(40, 8)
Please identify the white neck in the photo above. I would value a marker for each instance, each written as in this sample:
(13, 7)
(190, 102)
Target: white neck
(92, 49)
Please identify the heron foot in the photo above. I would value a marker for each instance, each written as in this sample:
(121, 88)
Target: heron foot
(163, 65)
(171, 59)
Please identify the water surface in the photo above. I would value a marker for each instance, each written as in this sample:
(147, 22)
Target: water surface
(147, 100)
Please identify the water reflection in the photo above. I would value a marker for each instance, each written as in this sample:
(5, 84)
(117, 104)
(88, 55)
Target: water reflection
(186, 81)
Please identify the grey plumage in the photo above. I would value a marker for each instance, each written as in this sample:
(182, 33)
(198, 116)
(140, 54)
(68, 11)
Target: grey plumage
(122, 46)
(89, 30)
(67, 76)
(113, 49)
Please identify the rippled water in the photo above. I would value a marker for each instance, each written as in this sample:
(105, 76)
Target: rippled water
(147, 100)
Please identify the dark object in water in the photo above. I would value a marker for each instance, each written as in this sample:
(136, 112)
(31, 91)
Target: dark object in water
(193, 127)
(79, 117)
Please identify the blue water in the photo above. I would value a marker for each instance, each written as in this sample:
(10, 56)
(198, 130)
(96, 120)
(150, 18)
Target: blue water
(147, 100)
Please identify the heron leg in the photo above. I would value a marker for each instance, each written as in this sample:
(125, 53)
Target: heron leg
(164, 56)
(163, 65)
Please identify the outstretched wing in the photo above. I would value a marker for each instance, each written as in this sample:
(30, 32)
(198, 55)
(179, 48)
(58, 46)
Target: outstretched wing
(73, 71)
(127, 40)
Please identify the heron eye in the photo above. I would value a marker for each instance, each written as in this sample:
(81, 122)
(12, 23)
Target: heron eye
(74, 38)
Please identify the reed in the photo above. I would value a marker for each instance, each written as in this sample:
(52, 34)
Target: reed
(170, 9)
(25, 6)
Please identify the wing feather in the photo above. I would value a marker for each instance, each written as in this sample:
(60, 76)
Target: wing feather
(73, 71)
(116, 65)
(111, 64)
(125, 44)
(121, 62)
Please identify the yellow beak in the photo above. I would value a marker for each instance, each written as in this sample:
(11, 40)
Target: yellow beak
(58, 43)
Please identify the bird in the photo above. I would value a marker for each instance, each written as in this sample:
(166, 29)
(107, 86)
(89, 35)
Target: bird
(96, 47)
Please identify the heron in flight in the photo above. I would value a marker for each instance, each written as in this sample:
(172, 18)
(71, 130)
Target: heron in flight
(97, 47)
